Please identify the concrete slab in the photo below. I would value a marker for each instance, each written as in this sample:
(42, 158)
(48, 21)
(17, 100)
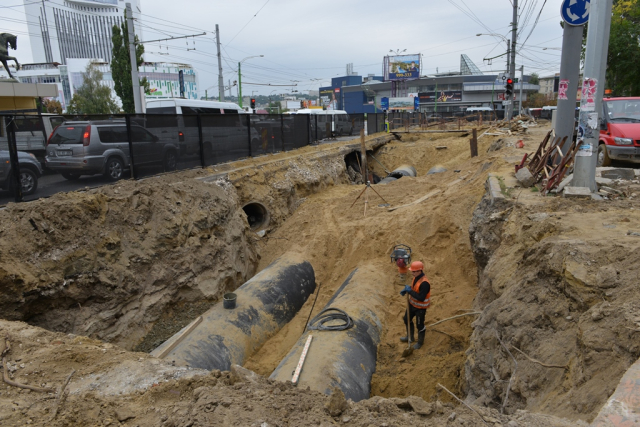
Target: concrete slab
(623, 407)
(618, 173)
(566, 181)
(577, 192)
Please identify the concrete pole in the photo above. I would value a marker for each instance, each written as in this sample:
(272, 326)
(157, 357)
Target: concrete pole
(595, 65)
(569, 71)
(521, 86)
(135, 81)
(512, 69)
(220, 81)
(239, 85)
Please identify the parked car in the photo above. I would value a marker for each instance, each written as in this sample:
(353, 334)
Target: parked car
(78, 148)
(619, 131)
(30, 171)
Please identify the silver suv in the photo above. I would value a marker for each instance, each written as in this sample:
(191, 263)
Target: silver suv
(78, 148)
(30, 171)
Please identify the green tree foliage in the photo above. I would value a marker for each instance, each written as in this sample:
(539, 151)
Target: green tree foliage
(534, 79)
(623, 60)
(51, 106)
(92, 97)
(121, 66)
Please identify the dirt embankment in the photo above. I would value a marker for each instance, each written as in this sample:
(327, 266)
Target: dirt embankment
(558, 286)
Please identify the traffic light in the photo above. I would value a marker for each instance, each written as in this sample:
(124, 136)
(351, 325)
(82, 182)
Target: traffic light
(508, 88)
(253, 103)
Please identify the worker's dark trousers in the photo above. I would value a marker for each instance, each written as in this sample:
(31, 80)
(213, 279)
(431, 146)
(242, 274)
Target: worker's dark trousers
(419, 314)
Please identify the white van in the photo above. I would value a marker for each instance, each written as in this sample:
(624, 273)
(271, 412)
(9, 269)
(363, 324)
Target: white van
(225, 137)
(339, 119)
(32, 133)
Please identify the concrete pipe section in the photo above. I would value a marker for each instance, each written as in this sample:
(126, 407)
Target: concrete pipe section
(345, 358)
(404, 170)
(387, 180)
(257, 215)
(263, 305)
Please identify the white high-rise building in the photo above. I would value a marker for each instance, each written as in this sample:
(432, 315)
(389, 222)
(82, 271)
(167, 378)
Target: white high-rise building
(66, 29)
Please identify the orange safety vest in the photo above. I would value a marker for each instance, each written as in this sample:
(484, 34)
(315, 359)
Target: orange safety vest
(422, 305)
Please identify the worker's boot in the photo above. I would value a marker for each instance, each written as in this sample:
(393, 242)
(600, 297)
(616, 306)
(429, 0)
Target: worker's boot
(420, 340)
(405, 339)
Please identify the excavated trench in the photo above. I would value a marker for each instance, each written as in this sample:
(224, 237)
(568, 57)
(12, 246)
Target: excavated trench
(134, 263)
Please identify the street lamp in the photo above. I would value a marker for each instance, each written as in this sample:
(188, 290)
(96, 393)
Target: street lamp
(240, 77)
(397, 51)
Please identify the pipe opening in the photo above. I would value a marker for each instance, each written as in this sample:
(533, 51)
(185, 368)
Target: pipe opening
(257, 216)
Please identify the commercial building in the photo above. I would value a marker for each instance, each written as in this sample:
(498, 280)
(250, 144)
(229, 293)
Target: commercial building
(443, 93)
(163, 78)
(66, 29)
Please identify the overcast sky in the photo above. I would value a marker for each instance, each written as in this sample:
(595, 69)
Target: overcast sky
(303, 40)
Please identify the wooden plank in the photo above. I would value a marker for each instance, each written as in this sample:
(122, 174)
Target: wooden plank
(305, 350)
(415, 202)
(179, 339)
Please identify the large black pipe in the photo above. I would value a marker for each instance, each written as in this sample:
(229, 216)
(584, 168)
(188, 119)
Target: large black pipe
(264, 304)
(345, 359)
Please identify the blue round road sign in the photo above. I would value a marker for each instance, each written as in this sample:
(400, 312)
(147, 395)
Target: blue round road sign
(575, 12)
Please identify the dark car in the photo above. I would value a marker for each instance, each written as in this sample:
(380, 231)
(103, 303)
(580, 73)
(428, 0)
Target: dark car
(30, 171)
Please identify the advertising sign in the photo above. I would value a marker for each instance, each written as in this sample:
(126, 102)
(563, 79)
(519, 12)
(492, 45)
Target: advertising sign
(440, 96)
(401, 103)
(327, 96)
(384, 103)
(402, 67)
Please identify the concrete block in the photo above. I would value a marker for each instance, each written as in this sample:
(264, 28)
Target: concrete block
(618, 173)
(577, 192)
(604, 181)
(493, 187)
(525, 178)
(566, 181)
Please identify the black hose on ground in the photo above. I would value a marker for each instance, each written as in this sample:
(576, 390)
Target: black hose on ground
(324, 316)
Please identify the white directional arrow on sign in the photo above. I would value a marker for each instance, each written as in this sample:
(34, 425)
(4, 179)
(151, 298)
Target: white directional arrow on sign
(572, 2)
(571, 15)
(587, 6)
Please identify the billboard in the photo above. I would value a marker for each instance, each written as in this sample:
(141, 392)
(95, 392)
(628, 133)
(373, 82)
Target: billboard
(404, 103)
(402, 67)
(329, 97)
(440, 96)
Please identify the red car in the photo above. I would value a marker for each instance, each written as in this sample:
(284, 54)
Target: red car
(619, 131)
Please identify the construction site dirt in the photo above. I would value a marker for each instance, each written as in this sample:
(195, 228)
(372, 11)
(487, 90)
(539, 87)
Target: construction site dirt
(536, 296)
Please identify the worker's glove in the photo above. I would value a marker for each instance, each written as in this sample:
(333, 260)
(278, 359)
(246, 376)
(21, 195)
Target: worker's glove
(406, 289)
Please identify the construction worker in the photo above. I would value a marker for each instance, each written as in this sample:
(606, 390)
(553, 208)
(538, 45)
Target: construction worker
(419, 300)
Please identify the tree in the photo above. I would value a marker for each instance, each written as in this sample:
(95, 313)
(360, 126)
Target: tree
(534, 79)
(121, 66)
(51, 106)
(92, 97)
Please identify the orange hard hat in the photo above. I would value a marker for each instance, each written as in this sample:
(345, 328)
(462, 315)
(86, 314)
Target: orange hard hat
(416, 266)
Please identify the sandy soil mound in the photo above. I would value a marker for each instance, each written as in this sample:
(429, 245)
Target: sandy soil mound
(558, 287)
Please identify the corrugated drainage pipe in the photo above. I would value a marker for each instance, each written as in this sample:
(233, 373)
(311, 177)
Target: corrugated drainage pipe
(404, 170)
(222, 337)
(346, 359)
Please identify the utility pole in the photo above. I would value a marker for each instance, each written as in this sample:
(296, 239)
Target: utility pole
(135, 81)
(512, 68)
(595, 64)
(220, 81)
(569, 77)
(521, 86)
(239, 85)
(229, 88)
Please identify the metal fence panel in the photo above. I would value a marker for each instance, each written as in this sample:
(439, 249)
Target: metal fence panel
(225, 137)
(268, 134)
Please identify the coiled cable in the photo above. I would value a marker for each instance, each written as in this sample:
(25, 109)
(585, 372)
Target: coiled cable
(318, 323)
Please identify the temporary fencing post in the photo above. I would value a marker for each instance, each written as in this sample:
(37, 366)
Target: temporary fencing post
(200, 140)
(315, 118)
(249, 133)
(13, 155)
(282, 130)
(309, 129)
(474, 143)
(134, 172)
